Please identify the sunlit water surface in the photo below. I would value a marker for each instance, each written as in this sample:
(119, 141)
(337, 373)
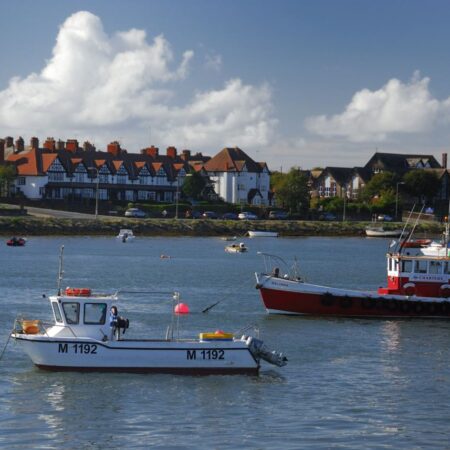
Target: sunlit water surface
(349, 383)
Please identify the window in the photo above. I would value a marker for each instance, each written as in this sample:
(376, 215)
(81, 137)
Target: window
(72, 312)
(420, 266)
(57, 312)
(446, 267)
(21, 181)
(95, 313)
(407, 266)
(435, 267)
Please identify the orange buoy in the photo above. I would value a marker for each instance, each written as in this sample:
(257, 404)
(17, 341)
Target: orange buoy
(181, 308)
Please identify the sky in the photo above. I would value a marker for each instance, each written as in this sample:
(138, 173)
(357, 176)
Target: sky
(294, 83)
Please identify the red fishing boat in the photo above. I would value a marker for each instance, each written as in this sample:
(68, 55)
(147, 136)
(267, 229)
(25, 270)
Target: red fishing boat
(418, 285)
(16, 242)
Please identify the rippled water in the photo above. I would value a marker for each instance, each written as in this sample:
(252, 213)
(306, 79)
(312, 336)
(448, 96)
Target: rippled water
(349, 383)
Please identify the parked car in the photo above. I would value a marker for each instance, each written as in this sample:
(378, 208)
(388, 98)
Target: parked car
(384, 218)
(327, 216)
(245, 215)
(278, 215)
(230, 216)
(209, 215)
(135, 212)
(192, 214)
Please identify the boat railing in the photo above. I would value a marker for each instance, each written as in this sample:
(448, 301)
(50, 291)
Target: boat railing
(33, 326)
(274, 263)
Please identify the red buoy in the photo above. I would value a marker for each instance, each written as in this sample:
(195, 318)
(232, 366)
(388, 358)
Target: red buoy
(181, 308)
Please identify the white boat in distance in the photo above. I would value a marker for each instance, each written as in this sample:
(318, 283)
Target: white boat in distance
(256, 233)
(81, 339)
(125, 235)
(381, 232)
(236, 248)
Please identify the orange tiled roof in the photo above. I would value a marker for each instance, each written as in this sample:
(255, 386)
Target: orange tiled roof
(26, 162)
(47, 160)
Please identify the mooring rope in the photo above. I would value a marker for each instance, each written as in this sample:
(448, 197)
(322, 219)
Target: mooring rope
(7, 342)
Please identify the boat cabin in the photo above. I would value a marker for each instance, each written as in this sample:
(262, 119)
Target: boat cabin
(80, 313)
(417, 274)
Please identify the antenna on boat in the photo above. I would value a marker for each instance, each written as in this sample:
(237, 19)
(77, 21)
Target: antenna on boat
(60, 271)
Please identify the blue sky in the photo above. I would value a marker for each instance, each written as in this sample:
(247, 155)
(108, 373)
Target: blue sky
(293, 83)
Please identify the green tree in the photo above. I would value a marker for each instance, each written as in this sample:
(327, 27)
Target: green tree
(193, 186)
(422, 184)
(7, 175)
(381, 183)
(292, 191)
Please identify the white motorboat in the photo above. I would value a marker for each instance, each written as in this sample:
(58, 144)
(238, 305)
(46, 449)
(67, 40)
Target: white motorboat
(236, 248)
(81, 339)
(259, 233)
(125, 235)
(381, 232)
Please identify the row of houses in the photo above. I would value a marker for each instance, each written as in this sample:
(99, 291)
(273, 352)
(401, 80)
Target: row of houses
(64, 169)
(61, 170)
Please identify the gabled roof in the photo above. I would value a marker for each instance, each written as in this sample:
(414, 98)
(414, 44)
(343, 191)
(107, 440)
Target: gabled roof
(340, 174)
(232, 160)
(400, 163)
(47, 160)
(27, 163)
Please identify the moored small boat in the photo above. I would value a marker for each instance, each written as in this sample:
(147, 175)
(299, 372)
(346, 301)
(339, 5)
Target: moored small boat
(261, 233)
(82, 338)
(381, 232)
(236, 248)
(125, 235)
(16, 242)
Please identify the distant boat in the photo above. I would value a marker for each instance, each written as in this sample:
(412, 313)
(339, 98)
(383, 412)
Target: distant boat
(381, 232)
(229, 238)
(256, 233)
(16, 242)
(236, 248)
(125, 235)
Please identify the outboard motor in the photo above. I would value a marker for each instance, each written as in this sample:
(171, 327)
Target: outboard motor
(260, 351)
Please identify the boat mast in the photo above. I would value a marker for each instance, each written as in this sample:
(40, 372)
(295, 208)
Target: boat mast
(60, 271)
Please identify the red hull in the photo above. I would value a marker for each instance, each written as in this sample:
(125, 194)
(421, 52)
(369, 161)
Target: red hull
(327, 304)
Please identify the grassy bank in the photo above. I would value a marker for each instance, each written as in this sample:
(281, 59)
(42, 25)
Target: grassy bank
(185, 227)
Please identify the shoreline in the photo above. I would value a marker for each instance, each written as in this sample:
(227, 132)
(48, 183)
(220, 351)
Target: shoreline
(107, 226)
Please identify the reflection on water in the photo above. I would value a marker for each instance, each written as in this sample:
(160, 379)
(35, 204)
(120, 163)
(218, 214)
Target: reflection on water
(349, 383)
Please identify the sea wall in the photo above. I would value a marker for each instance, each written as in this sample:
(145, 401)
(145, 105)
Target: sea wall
(188, 227)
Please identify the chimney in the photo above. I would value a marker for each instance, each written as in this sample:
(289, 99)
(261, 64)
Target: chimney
(171, 152)
(444, 160)
(34, 142)
(72, 145)
(9, 142)
(151, 151)
(114, 148)
(60, 145)
(20, 145)
(2, 150)
(185, 155)
(50, 144)
(88, 147)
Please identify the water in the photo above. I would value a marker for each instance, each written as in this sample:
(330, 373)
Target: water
(349, 383)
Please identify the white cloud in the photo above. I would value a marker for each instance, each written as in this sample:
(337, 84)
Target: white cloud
(102, 87)
(374, 115)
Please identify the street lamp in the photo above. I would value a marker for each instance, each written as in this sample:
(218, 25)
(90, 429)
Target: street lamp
(396, 199)
(96, 190)
(345, 196)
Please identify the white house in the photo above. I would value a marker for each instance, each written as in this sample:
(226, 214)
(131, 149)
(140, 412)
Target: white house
(238, 178)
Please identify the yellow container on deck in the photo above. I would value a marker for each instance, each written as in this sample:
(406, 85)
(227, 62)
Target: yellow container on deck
(217, 336)
(30, 326)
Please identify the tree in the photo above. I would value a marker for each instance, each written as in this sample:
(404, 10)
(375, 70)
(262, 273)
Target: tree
(292, 190)
(422, 184)
(381, 183)
(7, 175)
(193, 186)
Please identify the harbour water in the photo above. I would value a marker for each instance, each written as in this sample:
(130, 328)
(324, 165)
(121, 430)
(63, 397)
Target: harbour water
(349, 383)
